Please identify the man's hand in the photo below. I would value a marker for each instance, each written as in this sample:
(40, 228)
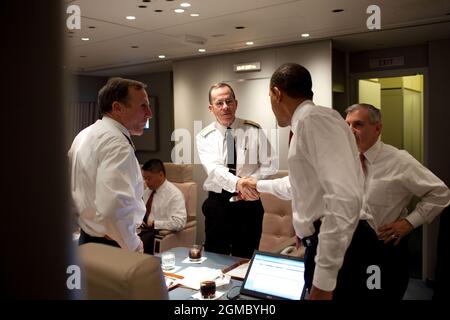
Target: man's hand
(394, 231)
(319, 294)
(247, 188)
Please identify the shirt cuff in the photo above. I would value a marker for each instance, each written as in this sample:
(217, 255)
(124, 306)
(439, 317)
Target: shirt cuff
(232, 187)
(325, 279)
(415, 219)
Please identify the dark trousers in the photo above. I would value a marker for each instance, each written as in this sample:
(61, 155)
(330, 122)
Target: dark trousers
(232, 227)
(364, 251)
(148, 238)
(86, 238)
(395, 273)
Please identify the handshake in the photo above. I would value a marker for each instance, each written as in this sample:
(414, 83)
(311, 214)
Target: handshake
(246, 187)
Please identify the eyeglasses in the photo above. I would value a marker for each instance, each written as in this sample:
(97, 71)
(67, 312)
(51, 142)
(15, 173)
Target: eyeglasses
(228, 102)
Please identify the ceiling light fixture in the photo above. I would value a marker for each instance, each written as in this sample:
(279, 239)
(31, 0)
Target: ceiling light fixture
(337, 10)
(135, 47)
(185, 5)
(130, 17)
(179, 10)
(85, 39)
(142, 6)
(249, 43)
(305, 35)
(158, 10)
(161, 56)
(239, 27)
(194, 14)
(201, 50)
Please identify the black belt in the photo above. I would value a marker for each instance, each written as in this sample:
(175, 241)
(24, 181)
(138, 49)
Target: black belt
(313, 239)
(223, 194)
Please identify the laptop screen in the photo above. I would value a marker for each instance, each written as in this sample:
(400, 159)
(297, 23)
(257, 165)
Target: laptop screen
(274, 276)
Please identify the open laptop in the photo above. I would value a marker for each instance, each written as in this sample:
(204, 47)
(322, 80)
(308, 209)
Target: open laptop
(274, 276)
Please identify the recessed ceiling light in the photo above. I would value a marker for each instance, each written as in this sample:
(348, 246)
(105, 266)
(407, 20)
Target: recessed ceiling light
(91, 27)
(142, 6)
(130, 17)
(82, 56)
(201, 50)
(158, 10)
(337, 10)
(179, 10)
(85, 39)
(194, 14)
(146, 0)
(217, 35)
(249, 43)
(239, 27)
(305, 35)
(161, 56)
(135, 47)
(185, 4)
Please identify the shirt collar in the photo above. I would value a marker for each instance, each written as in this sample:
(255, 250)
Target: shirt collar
(222, 129)
(298, 111)
(372, 153)
(116, 124)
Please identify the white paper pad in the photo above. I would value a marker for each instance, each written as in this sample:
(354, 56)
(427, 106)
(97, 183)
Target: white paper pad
(194, 275)
(239, 272)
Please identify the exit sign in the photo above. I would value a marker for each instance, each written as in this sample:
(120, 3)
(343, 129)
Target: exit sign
(386, 62)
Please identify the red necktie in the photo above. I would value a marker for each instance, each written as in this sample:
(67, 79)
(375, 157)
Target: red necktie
(149, 206)
(362, 158)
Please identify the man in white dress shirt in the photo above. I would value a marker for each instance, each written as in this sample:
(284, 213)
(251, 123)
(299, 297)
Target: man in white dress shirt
(106, 180)
(166, 208)
(229, 149)
(393, 177)
(326, 186)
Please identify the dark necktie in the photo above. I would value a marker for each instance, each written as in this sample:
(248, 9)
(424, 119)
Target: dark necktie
(149, 206)
(231, 151)
(362, 159)
(130, 142)
(290, 137)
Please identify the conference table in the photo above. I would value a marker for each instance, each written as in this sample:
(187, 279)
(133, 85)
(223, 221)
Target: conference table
(213, 260)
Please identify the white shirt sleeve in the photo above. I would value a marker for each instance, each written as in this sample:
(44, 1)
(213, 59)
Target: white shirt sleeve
(213, 164)
(117, 202)
(280, 187)
(433, 193)
(336, 166)
(173, 215)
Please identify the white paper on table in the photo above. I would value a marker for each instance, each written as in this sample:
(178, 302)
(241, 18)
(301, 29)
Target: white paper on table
(171, 282)
(239, 272)
(194, 275)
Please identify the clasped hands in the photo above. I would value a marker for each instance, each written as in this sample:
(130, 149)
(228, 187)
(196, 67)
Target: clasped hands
(246, 186)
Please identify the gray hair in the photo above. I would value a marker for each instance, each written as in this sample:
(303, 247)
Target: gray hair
(374, 113)
(220, 85)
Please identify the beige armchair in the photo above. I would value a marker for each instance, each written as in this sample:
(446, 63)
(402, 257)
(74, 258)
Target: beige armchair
(114, 273)
(181, 176)
(278, 234)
